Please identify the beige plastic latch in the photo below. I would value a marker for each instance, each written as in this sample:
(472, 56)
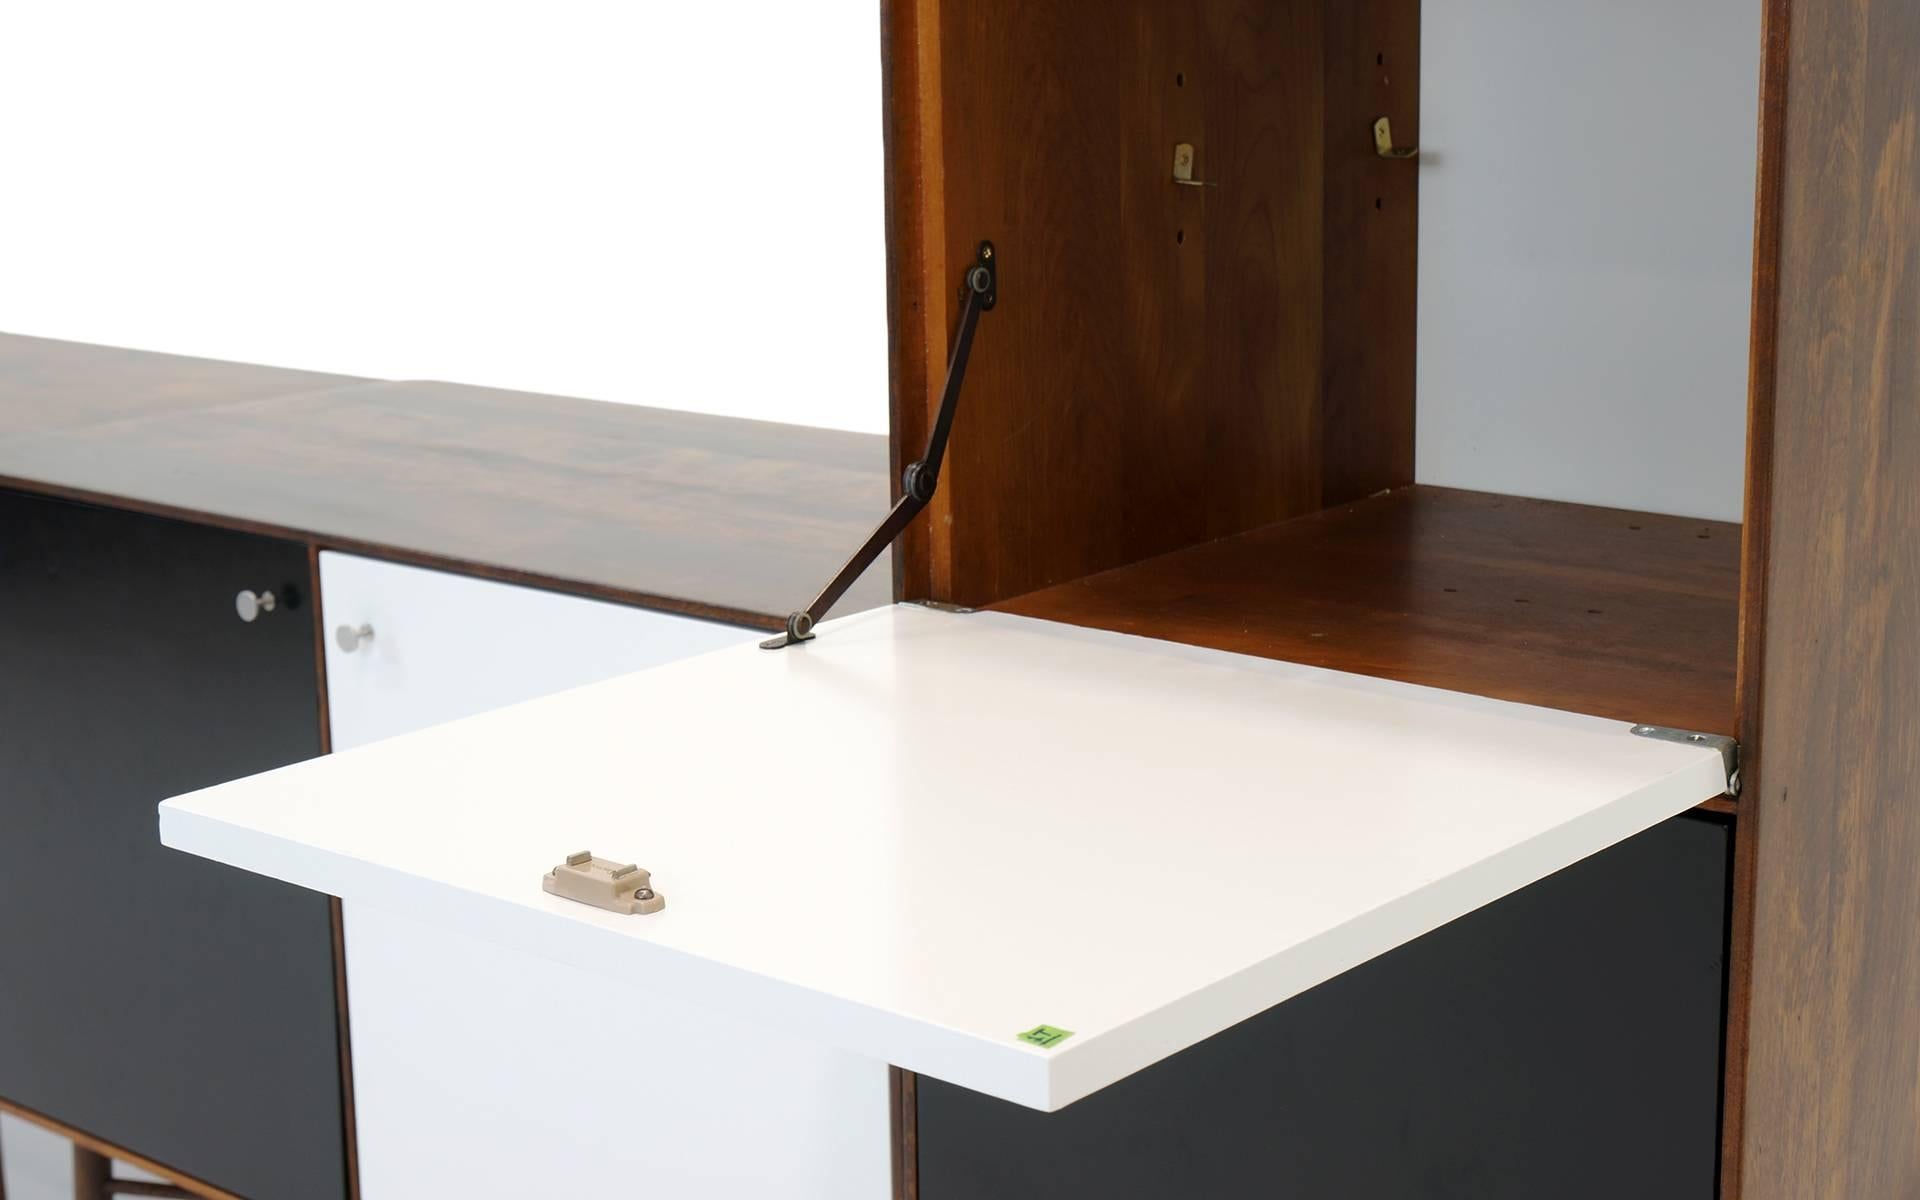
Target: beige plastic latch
(603, 883)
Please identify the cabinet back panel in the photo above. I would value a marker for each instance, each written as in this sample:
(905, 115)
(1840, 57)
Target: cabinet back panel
(1586, 249)
(1157, 371)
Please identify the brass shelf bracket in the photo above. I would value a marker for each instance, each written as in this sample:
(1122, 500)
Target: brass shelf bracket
(1183, 167)
(1383, 142)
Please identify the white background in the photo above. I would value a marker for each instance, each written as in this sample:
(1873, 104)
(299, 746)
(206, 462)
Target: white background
(680, 205)
(1586, 249)
(668, 204)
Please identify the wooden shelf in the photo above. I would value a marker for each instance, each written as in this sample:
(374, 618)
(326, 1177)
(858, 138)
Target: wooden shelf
(1630, 616)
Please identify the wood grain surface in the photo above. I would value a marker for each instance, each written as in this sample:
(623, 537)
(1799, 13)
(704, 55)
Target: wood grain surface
(1156, 373)
(1830, 1032)
(1624, 615)
(1372, 216)
(730, 519)
(916, 313)
(47, 384)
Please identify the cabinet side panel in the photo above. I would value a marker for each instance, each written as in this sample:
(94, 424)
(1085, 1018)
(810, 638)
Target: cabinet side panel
(1372, 249)
(1832, 1072)
(916, 314)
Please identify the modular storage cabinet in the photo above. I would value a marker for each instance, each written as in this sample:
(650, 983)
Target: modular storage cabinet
(1232, 302)
(1278, 367)
(192, 1019)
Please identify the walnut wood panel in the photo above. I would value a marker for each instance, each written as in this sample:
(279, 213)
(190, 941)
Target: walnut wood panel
(1624, 615)
(1372, 249)
(916, 318)
(736, 520)
(903, 1112)
(1755, 534)
(48, 384)
(1153, 375)
(1830, 1031)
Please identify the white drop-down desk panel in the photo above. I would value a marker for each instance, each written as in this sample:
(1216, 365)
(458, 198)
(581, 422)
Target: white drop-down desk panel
(924, 833)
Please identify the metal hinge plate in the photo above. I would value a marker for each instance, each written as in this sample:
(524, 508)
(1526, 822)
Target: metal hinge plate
(1729, 748)
(941, 606)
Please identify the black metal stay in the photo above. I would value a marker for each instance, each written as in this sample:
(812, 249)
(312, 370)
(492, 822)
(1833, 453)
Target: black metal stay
(918, 482)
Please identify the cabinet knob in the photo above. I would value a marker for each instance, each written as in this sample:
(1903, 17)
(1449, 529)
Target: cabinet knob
(352, 637)
(251, 604)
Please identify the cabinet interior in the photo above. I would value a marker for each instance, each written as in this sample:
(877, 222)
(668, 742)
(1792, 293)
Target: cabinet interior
(1194, 413)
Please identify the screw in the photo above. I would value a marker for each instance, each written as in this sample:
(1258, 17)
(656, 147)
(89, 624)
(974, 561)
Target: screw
(643, 894)
(986, 252)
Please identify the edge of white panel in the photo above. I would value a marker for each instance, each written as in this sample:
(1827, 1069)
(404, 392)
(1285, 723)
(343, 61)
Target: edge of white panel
(1044, 1080)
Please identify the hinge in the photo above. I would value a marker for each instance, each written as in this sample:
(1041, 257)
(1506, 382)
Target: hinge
(1729, 748)
(981, 291)
(941, 606)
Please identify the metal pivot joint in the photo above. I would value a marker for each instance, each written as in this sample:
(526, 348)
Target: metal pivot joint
(1729, 748)
(921, 478)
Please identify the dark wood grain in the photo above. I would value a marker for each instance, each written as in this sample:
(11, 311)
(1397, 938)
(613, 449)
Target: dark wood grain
(1755, 536)
(49, 384)
(92, 1172)
(734, 520)
(1371, 309)
(916, 319)
(1624, 615)
(1831, 1031)
(903, 1108)
(1153, 375)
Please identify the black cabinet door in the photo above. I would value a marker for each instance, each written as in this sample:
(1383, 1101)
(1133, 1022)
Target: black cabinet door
(1562, 1042)
(177, 1008)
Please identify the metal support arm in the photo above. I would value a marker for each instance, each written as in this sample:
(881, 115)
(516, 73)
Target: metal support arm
(921, 478)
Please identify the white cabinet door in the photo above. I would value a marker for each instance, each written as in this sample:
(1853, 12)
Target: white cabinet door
(484, 1071)
(446, 646)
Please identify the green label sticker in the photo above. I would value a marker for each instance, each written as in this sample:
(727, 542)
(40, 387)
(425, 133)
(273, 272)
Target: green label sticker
(1044, 1036)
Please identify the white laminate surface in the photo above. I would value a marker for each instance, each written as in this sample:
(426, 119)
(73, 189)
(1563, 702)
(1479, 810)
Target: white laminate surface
(489, 1072)
(923, 833)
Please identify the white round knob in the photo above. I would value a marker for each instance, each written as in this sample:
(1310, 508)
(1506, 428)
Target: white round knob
(251, 604)
(350, 637)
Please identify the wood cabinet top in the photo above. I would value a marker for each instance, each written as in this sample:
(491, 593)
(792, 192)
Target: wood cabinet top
(711, 516)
